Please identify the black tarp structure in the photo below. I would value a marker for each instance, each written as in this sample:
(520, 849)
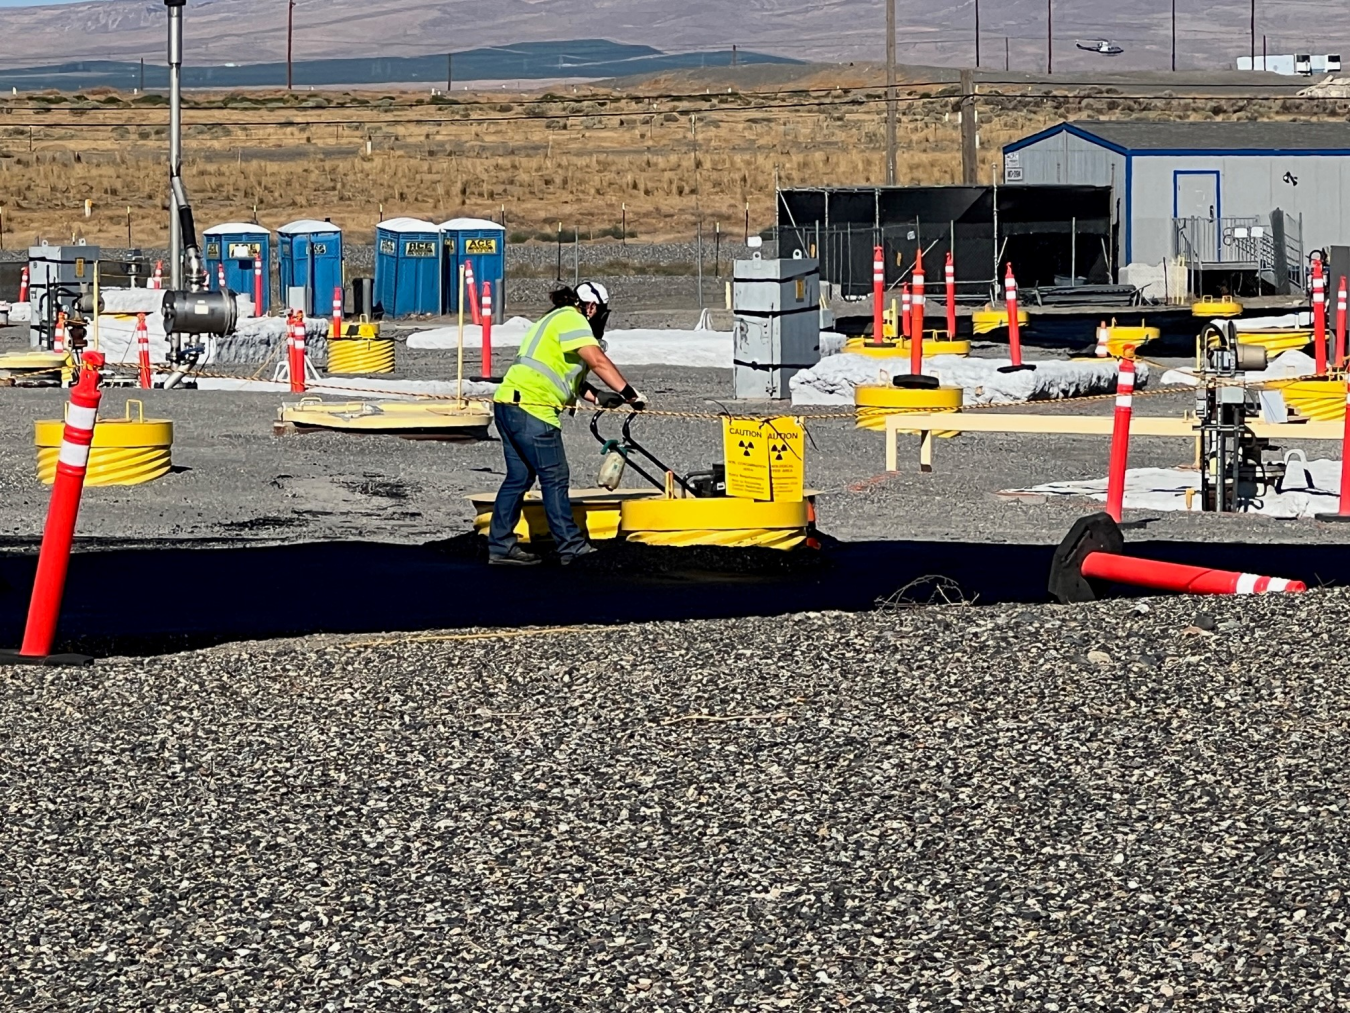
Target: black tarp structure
(1043, 230)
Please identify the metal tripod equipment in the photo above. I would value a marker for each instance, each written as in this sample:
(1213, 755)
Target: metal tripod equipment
(1233, 470)
(189, 310)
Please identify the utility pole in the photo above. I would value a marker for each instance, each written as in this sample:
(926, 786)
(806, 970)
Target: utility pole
(733, 54)
(970, 172)
(977, 33)
(890, 92)
(1050, 37)
(1174, 36)
(1007, 58)
(142, 75)
(449, 72)
(290, 28)
(1253, 33)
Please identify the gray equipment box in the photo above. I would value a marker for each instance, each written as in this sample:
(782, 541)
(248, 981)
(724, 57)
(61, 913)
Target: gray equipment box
(57, 277)
(777, 323)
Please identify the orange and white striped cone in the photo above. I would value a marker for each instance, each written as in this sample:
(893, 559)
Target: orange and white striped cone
(879, 296)
(1120, 440)
(23, 284)
(59, 333)
(1340, 324)
(257, 285)
(143, 350)
(1319, 308)
(917, 299)
(158, 280)
(290, 344)
(337, 311)
(487, 328)
(906, 312)
(1091, 558)
(471, 293)
(49, 583)
(220, 277)
(1014, 326)
(949, 276)
(1103, 340)
(298, 355)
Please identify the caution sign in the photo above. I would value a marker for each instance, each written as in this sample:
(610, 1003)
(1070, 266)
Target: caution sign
(787, 457)
(745, 451)
(480, 246)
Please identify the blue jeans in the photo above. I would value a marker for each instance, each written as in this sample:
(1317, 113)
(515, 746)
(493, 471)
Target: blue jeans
(532, 448)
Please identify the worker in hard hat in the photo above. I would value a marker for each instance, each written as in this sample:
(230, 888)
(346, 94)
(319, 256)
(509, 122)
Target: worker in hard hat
(549, 373)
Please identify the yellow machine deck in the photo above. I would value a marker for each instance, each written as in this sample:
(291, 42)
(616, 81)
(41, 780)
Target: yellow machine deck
(982, 321)
(35, 369)
(415, 420)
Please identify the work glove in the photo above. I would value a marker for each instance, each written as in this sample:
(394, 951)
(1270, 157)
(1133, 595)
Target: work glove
(633, 398)
(608, 399)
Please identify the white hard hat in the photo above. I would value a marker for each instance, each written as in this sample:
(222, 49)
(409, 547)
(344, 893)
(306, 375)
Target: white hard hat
(593, 291)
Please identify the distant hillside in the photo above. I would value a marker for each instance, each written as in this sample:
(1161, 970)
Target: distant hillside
(1210, 35)
(590, 58)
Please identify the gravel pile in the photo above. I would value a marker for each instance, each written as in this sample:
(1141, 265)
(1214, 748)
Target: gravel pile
(905, 809)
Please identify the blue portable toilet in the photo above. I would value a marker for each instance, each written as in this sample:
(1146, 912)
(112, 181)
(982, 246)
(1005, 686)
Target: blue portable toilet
(407, 275)
(235, 244)
(309, 253)
(482, 243)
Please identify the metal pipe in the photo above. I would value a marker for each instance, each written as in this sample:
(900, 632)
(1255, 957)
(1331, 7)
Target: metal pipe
(175, 8)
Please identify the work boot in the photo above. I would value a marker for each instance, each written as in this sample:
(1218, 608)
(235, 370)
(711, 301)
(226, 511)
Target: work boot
(586, 549)
(514, 556)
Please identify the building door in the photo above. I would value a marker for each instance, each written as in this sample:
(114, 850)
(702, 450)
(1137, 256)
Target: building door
(1195, 200)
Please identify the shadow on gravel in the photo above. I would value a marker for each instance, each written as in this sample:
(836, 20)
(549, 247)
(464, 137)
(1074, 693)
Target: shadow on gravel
(148, 600)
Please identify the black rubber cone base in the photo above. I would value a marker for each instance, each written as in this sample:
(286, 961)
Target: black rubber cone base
(1332, 517)
(1023, 368)
(8, 657)
(916, 381)
(1093, 533)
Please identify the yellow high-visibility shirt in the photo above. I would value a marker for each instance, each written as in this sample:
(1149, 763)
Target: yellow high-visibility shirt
(547, 374)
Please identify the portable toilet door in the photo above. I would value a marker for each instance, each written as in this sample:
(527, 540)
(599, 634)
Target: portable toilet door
(482, 243)
(450, 273)
(310, 257)
(235, 244)
(407, 278)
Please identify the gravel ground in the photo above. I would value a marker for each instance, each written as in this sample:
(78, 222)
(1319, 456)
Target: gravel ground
(900, 810)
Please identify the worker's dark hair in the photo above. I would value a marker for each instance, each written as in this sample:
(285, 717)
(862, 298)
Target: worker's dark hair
(564, 296)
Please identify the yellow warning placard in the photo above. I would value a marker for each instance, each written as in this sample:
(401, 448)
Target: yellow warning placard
(745, 451)
(787, 457)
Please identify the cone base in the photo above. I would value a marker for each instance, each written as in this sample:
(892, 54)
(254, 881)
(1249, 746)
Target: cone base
(1016, 369)
(1332, 517)
(11, 657)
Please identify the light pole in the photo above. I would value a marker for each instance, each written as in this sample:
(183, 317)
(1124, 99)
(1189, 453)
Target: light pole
(890, 92)
(977, 34)
(290, 26)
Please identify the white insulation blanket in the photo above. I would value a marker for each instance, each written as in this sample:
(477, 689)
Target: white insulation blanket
(1308, 488)
(831, 381)
(252, 342)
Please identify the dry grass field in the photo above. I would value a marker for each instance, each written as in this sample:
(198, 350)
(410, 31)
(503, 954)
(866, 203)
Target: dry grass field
(673, 155)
